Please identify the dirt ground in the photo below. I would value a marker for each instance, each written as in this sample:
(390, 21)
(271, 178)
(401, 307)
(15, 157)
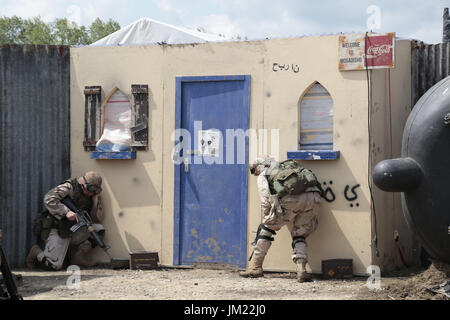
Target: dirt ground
(415, 286)
(211, 284)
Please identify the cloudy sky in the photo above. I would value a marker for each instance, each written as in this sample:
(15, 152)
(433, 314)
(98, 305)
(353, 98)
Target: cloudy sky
(255, 19)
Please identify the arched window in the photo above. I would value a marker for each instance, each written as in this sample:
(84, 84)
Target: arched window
(316, 119)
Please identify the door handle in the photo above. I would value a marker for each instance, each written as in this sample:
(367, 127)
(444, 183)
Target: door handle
(186, 164)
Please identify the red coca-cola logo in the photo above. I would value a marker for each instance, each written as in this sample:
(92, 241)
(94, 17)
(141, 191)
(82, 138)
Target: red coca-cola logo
(379, 50)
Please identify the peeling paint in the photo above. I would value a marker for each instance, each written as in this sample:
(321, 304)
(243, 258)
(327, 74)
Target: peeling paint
(211, 242)
(189, 254)
(195, 244)
(204, 258)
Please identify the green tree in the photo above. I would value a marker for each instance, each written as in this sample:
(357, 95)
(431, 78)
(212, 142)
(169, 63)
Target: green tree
(37, 31)
(11, 30)
(68, 33)
(16, 30)
(100, 29)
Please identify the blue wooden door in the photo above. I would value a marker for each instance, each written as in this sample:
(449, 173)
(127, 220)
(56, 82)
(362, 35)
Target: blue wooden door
(211, 181)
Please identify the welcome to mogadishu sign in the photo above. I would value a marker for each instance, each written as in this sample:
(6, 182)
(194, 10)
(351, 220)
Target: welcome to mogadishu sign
(366, 51)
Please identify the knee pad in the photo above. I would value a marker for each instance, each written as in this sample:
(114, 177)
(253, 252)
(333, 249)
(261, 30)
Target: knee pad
(298, 239)
(264, 233)
(101, 234)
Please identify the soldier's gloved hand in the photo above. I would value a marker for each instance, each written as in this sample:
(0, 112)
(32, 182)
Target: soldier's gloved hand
(275, 203)
(71, 216)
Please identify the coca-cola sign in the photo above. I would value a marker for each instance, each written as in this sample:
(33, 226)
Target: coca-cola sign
(379, 51)
(371, 51)
(376, 51)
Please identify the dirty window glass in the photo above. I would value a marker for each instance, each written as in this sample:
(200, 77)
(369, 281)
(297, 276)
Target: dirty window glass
(316, 119)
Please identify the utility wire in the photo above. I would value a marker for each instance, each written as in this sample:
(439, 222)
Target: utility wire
(369, 126)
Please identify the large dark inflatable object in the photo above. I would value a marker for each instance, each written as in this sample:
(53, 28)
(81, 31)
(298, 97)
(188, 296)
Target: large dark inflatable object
(422, 174)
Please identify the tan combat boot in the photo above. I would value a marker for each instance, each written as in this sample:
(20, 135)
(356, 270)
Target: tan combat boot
(79, 255)
(32, 256)
(254, 269)
(262, 246)
(302, 275)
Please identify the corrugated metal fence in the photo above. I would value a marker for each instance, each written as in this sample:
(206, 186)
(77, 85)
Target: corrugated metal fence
(34, 137)
(430, 64)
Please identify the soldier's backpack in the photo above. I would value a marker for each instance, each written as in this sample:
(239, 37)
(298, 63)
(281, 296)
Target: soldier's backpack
(291, 179)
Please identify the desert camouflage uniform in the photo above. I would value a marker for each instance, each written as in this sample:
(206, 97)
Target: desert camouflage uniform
(302, 209)
(56, 247)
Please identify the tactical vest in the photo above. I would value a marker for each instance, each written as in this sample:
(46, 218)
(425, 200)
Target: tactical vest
(46, 221)
(292, 179)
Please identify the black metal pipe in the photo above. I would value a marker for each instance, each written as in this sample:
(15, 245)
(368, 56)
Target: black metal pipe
(397, 175)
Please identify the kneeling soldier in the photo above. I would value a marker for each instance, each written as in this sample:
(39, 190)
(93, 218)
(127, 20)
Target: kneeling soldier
(52, 226)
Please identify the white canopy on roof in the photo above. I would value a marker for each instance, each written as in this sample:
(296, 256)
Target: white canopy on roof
(148, 31)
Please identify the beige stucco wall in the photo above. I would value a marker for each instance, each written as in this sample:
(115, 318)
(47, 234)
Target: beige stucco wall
(391, 121)
(139, 193)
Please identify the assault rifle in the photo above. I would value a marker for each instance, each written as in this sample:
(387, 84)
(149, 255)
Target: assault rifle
(84, 220)
(10, 293)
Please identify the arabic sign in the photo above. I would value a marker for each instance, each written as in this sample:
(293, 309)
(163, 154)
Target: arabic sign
(285, 67)
(358, 51)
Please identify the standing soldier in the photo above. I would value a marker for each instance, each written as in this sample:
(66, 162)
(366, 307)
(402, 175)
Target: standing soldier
(52, 226)
(288, 192)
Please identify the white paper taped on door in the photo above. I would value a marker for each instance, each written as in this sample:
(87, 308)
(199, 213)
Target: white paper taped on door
(208, 143)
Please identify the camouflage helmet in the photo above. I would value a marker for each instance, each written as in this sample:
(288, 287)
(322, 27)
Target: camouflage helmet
(261, 163)
(93, 178)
